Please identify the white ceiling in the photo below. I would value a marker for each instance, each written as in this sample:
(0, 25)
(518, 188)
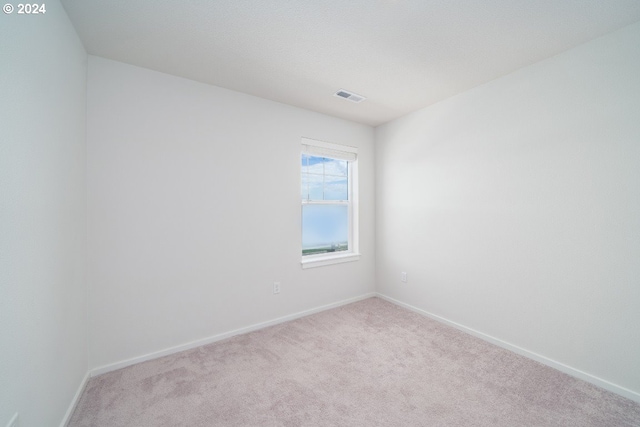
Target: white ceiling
(401, 54)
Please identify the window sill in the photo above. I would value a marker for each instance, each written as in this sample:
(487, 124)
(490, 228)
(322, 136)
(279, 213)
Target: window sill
(323, 260)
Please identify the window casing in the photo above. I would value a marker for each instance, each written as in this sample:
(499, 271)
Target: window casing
(329, 208)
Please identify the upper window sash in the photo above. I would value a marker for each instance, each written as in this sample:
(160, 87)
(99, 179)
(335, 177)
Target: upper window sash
(325, 178)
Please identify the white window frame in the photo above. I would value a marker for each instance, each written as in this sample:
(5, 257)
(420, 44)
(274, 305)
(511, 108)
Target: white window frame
(335, 151)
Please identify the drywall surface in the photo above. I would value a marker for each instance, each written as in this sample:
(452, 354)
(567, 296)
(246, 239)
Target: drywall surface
(194, 211)
(515, 208)
(43, 328)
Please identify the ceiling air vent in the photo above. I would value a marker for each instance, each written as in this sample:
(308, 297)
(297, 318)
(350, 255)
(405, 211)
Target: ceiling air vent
(353, 97)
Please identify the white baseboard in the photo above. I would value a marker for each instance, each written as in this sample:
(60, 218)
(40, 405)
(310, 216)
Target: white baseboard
(171, 350)
(622, 391)
(74, 402)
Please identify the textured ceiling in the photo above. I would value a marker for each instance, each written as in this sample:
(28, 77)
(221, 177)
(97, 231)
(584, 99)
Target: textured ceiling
(401, 54)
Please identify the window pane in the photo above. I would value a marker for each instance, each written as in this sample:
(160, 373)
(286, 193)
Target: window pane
(305, 162)
(325, 228)
(304, 188)
(316, 165)
(312, 187)
(336, 188)
(315, 186)
(335, 167)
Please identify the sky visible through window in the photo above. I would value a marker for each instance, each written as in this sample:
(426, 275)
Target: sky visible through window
(325, 226)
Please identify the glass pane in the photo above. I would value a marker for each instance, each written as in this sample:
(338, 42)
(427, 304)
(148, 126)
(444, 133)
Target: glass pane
(305, 162)
(304, 188)
(315, 186)
(316, 165)
(335, 188)
(335, 167)
(325, 228)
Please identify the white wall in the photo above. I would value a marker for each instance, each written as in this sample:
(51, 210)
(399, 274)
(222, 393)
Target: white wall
(515, 208)
(194, 211)
(43, 327)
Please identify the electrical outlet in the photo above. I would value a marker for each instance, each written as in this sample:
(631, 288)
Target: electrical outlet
(403, 277)
(276, 287)
(14, 421)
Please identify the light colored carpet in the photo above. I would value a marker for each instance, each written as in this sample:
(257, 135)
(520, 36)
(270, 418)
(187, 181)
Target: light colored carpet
(370, 363)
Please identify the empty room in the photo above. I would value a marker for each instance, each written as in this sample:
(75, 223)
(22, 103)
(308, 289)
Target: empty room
(328, 213)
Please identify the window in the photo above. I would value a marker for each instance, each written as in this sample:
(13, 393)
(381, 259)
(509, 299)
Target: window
(329, 203)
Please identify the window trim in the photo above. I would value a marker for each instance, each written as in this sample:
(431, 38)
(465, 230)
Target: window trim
(343, 152)
(329, 260)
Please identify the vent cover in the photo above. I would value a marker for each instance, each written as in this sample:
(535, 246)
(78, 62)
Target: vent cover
(353, 97)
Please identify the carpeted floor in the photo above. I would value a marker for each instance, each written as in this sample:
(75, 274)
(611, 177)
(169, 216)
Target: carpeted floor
(370, 363)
